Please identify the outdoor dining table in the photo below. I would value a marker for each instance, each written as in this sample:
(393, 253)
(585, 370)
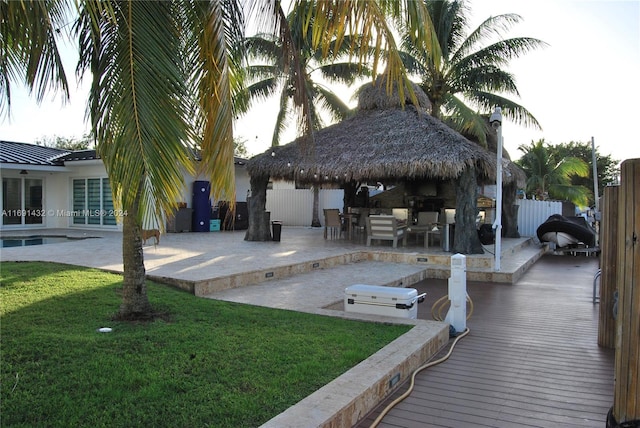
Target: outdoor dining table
(428, 232)
(349, 219)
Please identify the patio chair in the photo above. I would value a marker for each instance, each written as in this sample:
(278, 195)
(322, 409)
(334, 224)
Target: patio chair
(385, 227)
(361, 225)
(332, 223)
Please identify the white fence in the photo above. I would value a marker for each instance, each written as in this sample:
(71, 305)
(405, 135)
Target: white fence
(532, 214)
(294, 208)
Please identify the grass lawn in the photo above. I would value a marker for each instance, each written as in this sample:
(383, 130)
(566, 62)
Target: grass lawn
(211, 363)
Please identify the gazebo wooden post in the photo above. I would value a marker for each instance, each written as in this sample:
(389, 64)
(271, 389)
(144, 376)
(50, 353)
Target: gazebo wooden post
(626, 397)
(608, 267)
(510, 211)
(466, 240)
(259, 218)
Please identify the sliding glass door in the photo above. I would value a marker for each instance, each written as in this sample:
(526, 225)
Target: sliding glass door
(22, 201)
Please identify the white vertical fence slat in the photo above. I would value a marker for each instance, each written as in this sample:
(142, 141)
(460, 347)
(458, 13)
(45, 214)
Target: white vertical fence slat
(293, 207)
(532, 214)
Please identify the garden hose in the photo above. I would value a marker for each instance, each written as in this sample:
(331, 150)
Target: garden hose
(413, 379)
(436, 313)
(440, 304)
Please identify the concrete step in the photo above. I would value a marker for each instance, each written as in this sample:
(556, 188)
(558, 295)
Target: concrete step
(516, 259)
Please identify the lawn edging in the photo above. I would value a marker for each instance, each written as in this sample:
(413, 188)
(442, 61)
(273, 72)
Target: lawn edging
(350, 397)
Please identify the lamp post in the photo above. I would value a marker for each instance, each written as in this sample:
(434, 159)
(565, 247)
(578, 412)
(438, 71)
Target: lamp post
(496, 123)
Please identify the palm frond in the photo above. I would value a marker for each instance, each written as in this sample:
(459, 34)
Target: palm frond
(281, 119)
(500, 53)
(553, 176)
(579, 195)
(485, 78)
(216, 26)
(139, 151)
(570, 166)
(343, 72)
(486, 102)
(28, 48)
(493, 26)
(263, 47)
(465, 120)
(450, 24)
(263, 89)
(332, 103)
(334, 19)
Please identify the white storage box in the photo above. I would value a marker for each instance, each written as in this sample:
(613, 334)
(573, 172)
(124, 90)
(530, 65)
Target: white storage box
(381, 300)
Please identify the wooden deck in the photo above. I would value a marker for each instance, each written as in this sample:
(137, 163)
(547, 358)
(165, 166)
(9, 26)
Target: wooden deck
(531, 358)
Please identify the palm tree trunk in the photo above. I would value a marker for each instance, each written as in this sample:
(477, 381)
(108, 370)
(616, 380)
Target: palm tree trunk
(259, 218)
(510, 211)
(466, 240)
(135, 303)
(315, 220)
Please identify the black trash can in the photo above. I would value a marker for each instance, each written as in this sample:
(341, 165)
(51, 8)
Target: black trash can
(276, 229)
(486, 234)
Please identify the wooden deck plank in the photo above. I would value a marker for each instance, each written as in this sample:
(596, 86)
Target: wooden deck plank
(531, 358)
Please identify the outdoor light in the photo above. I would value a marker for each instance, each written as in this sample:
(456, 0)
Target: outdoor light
(273, 153)
(288, 163)
(24, 172)
(496, 123)
(496, 118)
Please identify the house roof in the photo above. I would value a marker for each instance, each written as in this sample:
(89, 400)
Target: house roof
(30, 154)
(382, 141)
(80, 155)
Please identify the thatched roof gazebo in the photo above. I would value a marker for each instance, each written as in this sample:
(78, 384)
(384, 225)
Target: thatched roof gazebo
(383, 141)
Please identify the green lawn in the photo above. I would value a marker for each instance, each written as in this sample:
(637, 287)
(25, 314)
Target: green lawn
(211, 363)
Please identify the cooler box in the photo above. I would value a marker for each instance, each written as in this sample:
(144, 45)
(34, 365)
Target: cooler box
(214, 225)
(381, 300)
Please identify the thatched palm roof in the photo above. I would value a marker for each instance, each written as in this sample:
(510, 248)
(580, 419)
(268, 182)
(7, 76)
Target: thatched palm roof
(382, 141)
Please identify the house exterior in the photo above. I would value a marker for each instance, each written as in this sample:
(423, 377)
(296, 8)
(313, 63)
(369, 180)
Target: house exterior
(44, 187)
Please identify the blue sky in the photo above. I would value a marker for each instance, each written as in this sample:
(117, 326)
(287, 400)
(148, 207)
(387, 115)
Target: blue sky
(585, 84)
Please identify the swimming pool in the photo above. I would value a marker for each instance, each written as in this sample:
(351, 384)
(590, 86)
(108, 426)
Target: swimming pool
(24, 241)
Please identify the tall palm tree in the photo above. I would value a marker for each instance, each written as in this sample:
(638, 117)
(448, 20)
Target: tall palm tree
(464, 78)
(550, 177)
(163, 78)
(270, 74)
(273, 78)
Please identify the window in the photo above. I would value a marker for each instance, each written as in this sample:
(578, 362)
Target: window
(92, 202)
(21, 201)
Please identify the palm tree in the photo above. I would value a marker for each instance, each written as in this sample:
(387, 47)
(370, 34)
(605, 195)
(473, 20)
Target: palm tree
(270, 74)
(163, 78)
(464, 79)
(549, 176)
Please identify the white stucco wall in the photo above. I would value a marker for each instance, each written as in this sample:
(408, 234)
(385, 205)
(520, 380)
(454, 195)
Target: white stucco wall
(242, 186)
(57, 183)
